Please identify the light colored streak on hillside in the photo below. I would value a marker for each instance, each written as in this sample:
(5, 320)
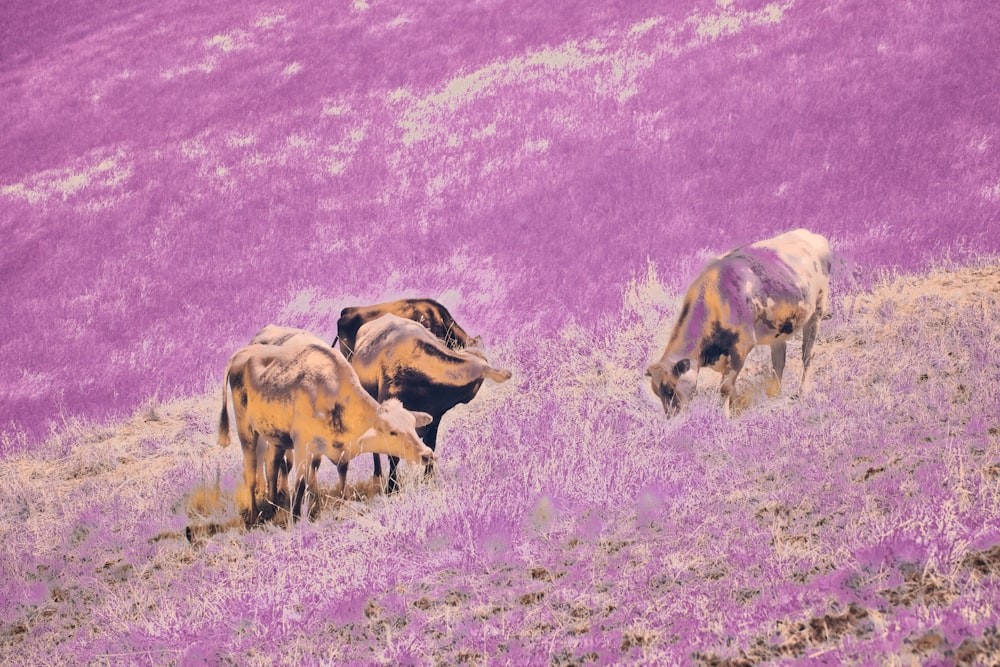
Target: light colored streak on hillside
(444, 131)
(221, 47)
(96, 174)
(617, 59)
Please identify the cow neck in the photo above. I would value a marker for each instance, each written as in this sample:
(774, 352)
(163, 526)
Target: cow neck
(686, 340)
(365, 419)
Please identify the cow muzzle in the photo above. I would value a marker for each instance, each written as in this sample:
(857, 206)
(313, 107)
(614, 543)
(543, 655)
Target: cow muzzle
(671, 405)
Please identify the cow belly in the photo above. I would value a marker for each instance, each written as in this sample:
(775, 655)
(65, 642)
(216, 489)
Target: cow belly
(778, 321)
(434, 399)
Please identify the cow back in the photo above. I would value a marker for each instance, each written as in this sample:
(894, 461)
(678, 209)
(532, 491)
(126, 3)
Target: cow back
(398, 357)
(427, 312)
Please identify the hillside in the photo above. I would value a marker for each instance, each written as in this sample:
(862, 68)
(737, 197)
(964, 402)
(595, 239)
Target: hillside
(568, 523)
(176, 174)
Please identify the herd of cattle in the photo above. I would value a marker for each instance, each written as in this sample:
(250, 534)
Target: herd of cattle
(403, 364)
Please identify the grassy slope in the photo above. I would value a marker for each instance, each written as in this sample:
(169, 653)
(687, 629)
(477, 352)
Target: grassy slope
(176, 173)
(853, 525)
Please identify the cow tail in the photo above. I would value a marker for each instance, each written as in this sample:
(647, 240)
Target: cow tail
(224, 417)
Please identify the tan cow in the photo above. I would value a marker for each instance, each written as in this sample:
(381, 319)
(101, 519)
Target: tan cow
(307, 398)
(273, 334)
(754, 295)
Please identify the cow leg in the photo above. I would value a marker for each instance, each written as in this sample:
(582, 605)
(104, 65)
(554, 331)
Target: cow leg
(303, 465)
(809, 332)
(429, 436)
(378, 467)
(392, 484)
(733, 368)
(275, 465)
(250, 476)
(778, 364)
(314, 486)
(284, 468)
(342, 471)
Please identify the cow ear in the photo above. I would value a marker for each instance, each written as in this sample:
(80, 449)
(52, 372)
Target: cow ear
(681, 367)
(423, 419)
(649, 370)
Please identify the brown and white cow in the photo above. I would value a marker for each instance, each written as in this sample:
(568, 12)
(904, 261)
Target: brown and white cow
(398, 358)
(307, 398)
(272, 334)
(758, 294)
(427, 312)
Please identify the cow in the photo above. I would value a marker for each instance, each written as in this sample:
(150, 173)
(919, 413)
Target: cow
(398, 358)
(273, 334)
(758, 294)
(307, 398)
(427, 312)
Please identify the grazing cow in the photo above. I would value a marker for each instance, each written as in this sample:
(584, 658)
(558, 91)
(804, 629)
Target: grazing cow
(273, 334)
(427, 312)
(307, 398)
(754, 295)
(398, 358)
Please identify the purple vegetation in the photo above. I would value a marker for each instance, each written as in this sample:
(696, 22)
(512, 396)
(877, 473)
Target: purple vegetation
(176, 175)
(168, 183)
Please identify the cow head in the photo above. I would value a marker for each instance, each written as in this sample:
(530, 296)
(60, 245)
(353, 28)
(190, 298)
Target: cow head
(395, 433)
(673, 383)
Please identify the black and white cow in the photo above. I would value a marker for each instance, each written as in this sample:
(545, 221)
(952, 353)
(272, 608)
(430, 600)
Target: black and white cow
(427, 312)
(758, 294)
(398, 358)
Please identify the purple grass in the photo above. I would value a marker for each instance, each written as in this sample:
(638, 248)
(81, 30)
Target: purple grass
(175, 176)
